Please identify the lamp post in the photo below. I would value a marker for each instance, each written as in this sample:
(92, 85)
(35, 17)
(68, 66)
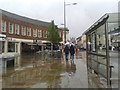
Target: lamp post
(65, 18)
(64, 22)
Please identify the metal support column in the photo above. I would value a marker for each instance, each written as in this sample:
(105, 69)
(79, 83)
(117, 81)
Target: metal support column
(107, 55)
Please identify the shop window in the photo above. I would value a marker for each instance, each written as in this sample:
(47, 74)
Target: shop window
(2, 44)
(11, 47)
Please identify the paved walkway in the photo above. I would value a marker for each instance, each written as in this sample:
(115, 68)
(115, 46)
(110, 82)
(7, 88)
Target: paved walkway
(75, 76)
(32, 71)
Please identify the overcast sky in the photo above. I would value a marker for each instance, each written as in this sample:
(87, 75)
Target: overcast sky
(78, 17)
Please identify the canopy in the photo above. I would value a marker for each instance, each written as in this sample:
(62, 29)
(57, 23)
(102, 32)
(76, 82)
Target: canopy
(69, 43)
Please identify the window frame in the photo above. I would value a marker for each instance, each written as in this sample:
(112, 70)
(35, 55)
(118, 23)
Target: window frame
(17, 29)
(28, 31)
(39, 33)
(11, 29)
(3, 26)
(23, 30)
(45, 34)
(34, 32)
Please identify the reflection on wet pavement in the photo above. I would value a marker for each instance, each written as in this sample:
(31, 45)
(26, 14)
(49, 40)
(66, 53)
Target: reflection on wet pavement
(41, 71)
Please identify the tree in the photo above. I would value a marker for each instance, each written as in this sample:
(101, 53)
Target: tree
(72, 38)
(53, 34)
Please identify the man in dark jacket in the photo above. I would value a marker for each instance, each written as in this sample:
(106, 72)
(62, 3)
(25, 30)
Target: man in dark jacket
(66, 50)
(72, 52)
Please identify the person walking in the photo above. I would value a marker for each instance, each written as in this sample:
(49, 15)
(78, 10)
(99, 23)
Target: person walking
(72, 52)
(66, 50)
(76, 48)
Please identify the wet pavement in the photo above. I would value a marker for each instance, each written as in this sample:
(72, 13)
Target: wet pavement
(42, 71)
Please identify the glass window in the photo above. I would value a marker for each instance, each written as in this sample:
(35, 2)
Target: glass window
(28, 31)
(113, 17)
(11, 28)
(23, 30)
(102, 70)
(89, 60)
(3, 26)
(17, 31)
(2, 44)
(112, 27)
(11, 47)
(45, 34)
(101, 41)
(89, 42)
(16, 47)
(114, 36)
(60, 34)
(39, 33)
(93, 42)
(34, 32)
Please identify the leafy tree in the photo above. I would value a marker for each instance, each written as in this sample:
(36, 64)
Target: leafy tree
(53, 34)
(72, 38)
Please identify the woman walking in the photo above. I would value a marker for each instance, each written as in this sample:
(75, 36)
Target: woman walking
(72, 52)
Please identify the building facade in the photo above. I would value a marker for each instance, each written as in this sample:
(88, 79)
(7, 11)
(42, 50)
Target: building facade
(16, 30)
(81, 41)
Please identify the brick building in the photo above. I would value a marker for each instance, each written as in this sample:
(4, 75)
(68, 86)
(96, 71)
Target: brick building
(18, 33)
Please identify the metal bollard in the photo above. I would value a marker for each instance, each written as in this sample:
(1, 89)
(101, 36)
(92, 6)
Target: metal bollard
(111, 74)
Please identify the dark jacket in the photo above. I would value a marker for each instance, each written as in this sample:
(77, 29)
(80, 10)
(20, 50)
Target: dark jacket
(72, 50)
(66, 49)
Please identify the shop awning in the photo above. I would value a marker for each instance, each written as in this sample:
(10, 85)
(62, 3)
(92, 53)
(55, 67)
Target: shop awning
(35, 44)
(2, 35)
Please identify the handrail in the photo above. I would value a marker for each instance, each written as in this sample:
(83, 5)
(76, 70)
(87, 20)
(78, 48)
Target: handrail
(97, 54)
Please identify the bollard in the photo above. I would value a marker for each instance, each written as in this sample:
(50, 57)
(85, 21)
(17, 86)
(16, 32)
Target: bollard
(111, 74)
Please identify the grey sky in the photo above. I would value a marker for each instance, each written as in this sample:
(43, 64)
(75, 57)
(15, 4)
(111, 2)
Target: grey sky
(78, 17)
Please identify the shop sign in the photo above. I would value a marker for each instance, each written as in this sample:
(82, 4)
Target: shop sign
(9, 39)
(2, 35)
(37, 41)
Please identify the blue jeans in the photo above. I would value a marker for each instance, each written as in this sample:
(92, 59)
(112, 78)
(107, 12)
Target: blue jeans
(72, 56)
(66, 56)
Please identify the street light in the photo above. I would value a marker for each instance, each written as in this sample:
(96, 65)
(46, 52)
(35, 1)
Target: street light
(65, 18)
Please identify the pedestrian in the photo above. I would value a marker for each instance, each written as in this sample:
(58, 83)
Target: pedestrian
(76, 48)
(66, 50)
(72, 52)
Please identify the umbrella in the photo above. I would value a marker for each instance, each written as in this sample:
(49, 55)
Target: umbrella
(67, 43)
(71, 44)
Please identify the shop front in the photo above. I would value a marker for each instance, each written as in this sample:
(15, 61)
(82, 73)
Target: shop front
(10, 47)
(30, 47)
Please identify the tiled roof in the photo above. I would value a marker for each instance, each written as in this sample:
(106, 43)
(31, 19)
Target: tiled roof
(25, 19)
